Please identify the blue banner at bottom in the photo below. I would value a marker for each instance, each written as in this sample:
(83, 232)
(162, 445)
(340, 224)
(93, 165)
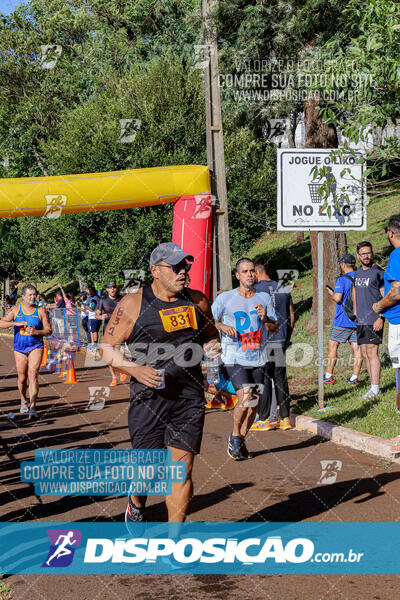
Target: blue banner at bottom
(199, 548)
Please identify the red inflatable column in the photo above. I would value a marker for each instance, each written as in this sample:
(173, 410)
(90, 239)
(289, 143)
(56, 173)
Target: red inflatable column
(192, 230)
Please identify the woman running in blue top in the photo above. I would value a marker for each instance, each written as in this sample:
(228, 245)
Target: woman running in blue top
(31, 324)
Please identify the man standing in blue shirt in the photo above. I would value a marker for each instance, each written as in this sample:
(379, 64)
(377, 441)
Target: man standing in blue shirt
(390, 307)
(343, 328)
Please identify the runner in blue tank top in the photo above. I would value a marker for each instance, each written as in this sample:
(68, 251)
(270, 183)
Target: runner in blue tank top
(31, 324)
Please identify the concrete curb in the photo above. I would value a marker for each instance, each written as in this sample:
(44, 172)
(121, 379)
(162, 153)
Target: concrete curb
(345, 437)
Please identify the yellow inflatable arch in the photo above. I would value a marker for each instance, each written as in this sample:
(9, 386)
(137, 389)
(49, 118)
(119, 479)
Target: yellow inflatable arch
(36, 196)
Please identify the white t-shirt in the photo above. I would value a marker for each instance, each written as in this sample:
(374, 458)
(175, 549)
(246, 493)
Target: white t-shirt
(248, 348)
(91, 313)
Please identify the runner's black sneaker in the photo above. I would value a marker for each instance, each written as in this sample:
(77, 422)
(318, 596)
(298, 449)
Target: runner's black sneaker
(135, 519)
(244, 453)
(353, 382)
(234, 446)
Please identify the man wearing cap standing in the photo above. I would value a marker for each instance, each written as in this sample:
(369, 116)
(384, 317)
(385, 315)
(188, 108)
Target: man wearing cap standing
(105, 309)
(343, 328)
(167, 328)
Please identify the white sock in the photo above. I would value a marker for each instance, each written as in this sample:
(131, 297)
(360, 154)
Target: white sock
(375, 388)
(353, 377)
(328, 375)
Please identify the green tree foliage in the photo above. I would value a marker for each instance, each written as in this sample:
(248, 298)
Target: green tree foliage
(171, 132)
(250, 165)
(123, 60)
(67, 120)
(366, 48)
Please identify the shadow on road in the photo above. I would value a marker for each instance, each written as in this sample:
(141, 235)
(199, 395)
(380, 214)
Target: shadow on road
(313, 441)
(311, 502)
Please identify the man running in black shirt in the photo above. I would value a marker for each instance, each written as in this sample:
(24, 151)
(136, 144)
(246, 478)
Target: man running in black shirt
(105, 309)
(167, 326)
(368, 289)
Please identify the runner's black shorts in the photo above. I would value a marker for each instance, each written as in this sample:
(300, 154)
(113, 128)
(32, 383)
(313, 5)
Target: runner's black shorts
(156, 421)
(243, 376)
(366, 335)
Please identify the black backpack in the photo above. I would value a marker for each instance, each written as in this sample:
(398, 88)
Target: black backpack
(348, 306)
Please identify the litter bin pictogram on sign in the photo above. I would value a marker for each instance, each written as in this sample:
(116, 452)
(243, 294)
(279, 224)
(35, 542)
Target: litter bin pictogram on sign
(313, 188)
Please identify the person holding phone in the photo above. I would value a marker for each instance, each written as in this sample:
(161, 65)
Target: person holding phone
(343, 328)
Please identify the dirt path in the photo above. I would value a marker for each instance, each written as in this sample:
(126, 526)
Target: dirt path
(280, 484)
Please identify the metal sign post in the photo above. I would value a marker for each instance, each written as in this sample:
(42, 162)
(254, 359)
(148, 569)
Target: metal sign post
(320, 258)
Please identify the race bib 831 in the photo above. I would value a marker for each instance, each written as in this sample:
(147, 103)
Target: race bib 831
(180, 317)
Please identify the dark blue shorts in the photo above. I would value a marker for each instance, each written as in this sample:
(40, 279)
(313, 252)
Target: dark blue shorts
(93, 325)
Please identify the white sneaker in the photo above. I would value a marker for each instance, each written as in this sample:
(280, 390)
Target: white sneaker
(370, 394)
(24, 408)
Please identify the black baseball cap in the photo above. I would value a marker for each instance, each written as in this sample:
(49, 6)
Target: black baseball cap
(111, 284)
(170, 253)
(348, 259)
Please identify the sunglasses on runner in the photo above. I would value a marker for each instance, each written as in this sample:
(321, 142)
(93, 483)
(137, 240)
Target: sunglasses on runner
(178, 268)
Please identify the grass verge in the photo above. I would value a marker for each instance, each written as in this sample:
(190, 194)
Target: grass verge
(5, 590)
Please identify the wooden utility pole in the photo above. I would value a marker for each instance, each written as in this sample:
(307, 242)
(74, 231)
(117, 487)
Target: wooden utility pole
(222, 277)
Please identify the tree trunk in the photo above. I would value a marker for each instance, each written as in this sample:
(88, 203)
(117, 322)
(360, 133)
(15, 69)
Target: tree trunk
(299, 237)
(320, 135)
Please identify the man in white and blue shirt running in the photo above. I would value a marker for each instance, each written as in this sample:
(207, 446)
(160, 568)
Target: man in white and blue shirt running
(244, 318)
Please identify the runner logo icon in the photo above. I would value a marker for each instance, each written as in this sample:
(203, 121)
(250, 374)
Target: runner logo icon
(330, 471)
(60, 552)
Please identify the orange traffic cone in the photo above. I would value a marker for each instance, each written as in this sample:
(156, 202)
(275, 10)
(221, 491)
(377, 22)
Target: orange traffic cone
(44, 357)
(71, 377)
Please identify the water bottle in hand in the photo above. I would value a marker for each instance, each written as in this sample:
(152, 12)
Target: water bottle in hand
(212, 365)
